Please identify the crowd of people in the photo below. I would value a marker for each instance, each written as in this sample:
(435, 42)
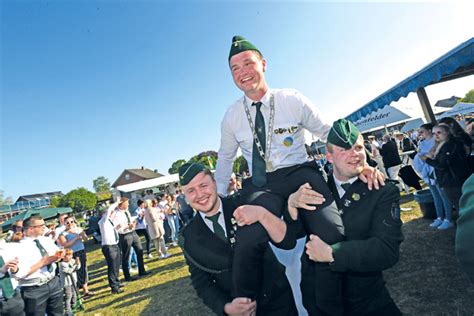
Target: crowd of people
(286, 240)
(43, 267)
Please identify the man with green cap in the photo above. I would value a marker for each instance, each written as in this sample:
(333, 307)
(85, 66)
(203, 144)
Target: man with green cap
(372, 234)
(268, 125)
(208, 242)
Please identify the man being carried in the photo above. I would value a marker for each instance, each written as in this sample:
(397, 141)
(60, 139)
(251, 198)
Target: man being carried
(268, 126)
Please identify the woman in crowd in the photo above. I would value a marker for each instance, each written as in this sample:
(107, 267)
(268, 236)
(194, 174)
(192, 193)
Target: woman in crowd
(171, 217)
(73, 238)
(451, 169)
(154, 219)
(426, 171)
(458, 132)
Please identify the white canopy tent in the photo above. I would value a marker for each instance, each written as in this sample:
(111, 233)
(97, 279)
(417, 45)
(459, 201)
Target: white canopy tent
(459, 109)
(391, 115)
(151, 183)
(413, 124)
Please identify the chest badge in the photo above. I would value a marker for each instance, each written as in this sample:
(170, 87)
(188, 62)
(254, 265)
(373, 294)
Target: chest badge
(288, 141)
(355, 197)
(347, 203)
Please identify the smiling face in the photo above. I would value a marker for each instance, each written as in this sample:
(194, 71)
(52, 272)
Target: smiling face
(347, 163)
(248, 73)
(441, 133)
(201, 194)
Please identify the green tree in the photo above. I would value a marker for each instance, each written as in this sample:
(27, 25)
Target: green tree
(55, 201)
(5, 201)
(175, 166)
(79, 200)
(240, 165)
(207, 158)
(101, 185)
(469, 97)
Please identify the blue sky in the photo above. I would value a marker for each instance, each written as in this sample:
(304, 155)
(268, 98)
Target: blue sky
(89, 88)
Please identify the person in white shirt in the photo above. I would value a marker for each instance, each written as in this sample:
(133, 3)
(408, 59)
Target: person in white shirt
(268, 126)
(140, 229)
(11, 302)
(110, 248)
(128, 238)
(40, 284)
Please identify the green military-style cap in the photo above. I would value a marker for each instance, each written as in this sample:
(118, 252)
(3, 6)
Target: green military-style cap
(240, 44)
(343, 134)
(188, 171)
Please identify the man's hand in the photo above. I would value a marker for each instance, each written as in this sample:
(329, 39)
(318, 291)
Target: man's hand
(318, 250)
(372, 177)
(241, 306)
(47, 260)
(11, 265)
(248, 214)
(304, 198)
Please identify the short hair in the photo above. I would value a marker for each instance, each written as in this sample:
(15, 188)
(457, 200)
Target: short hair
(27, 223)
(139, 202)
(68, 251)
(427, 126)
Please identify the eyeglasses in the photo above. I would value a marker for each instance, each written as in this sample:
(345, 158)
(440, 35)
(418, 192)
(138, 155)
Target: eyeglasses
(72, 222)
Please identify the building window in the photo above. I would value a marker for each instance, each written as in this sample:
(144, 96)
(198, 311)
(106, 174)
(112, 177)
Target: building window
(127, 176)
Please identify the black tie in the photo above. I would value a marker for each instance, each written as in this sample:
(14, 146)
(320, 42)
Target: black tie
(218, 230)
(43, 253)
(259, 173)
(346, 186)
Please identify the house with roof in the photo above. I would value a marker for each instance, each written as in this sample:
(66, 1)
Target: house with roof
(35, 200)
(135, 175)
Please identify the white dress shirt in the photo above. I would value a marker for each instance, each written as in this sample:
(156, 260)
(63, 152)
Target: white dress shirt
(119, 218)
(29, 254)
(292, 110)
(339, 188)
(221, 219)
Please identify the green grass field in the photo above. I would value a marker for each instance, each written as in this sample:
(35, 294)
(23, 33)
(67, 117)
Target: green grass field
(426, 281)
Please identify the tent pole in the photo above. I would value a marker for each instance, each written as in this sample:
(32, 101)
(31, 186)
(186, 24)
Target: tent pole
(425, 105)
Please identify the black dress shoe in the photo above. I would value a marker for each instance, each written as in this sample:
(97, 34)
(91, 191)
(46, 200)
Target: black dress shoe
(118, 291)
(130, 279)
(144, 273)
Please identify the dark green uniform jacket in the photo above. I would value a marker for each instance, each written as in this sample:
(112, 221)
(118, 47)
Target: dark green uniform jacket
(210, 263)
(372, 239)
(465, 231)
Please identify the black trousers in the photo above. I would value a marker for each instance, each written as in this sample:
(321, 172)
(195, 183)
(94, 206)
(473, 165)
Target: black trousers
(322, 289)
(127, 241)
(44, 299)
(251, 240)
(144, 232)
(112, 257)
(13, 306)
(82, 275)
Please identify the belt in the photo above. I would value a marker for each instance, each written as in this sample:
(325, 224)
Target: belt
(35, 283)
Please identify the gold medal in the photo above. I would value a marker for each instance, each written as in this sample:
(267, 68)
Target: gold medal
(269, 166)
(356, 197)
